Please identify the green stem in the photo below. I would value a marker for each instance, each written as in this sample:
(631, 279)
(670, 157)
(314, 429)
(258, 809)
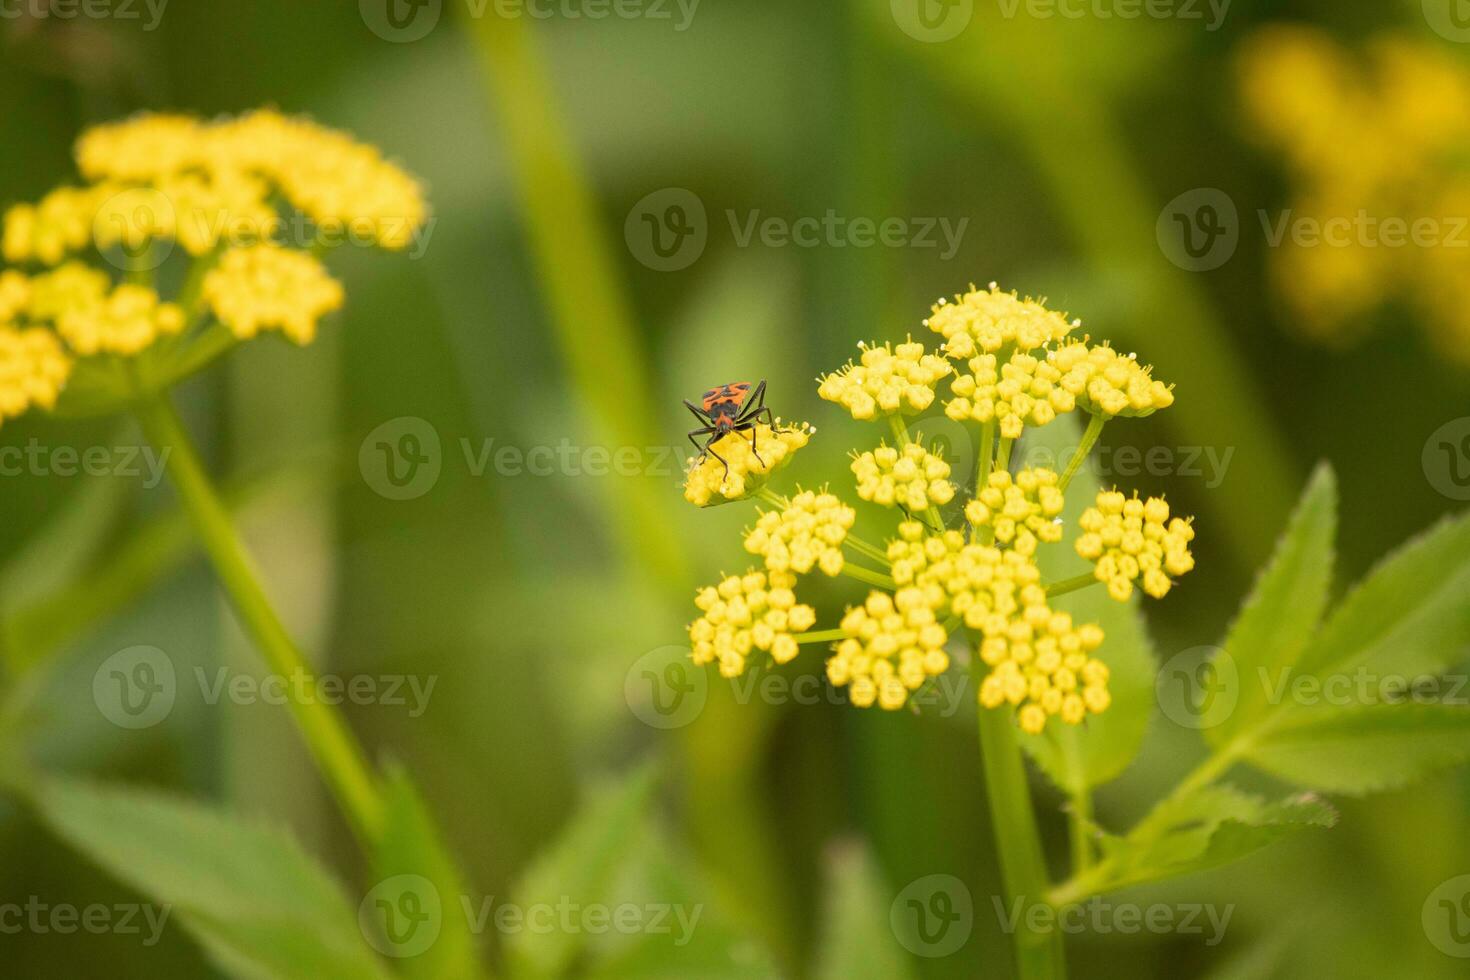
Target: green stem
(868, 550)
(334, 749)
(1071, 584)
(1039, 954)
(869, 576)
(984, 533)
(1095, 425)
(1003, 454)
(821, 636)
(1079, 830)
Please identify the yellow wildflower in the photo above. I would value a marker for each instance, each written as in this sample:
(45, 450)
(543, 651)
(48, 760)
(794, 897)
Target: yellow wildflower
(988, 320)
(886, 381)
(1023, 391)
(125, 322)
(263, 286)
(808, 533)
(1020, 511)
(748, 612)
(1129, 538)
(59, 223)
(913, 477)
(1049, 673)
(707, 481)
(1105, 382)
(71, 287)
(892, 645)
(144, 148)
(33, 370)
(15, 294)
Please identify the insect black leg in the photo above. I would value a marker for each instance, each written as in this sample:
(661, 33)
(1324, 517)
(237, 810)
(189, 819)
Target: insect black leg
(699, 413)
(703, 448)
(709, 448)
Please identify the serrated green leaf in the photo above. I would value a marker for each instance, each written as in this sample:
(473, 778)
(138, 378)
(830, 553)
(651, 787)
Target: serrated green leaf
(582, 865)
(257, 903)
(857, 941)
(1411, 615)
(411, 845)
(1214, 826)
(1278, 617)
(1366, 748)
(1079, 758)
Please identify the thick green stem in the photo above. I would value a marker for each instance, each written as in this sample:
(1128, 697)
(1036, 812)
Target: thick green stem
(334, 749)
(1095, 425)
(1071, 584)
(821, 636)
(869, 576)
(1039, 954)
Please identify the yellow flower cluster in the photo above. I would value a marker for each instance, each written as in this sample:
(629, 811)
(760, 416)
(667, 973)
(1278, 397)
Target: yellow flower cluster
(708, 483)
(748, 612)
(1031, 649)
(1105, 382)
(1043, 667)
(886, 381)
(125, 322)
(265, 286)
(1374, 142)
(1128, 538)
(33, 369)
(1023, 391)
(892, 645)
(807, 533)
(1020, 511)
(199, 183)
(988, 320)
(15, 294)
(913, 477)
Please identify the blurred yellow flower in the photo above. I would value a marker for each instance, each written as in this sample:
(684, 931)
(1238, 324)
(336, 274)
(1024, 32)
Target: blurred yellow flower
(266, 287)
(1129, 538)
(886, 381)
(807, 533)
(707, 481)
(33, 370)
(912, 477)
(748, 612)
(124, 322)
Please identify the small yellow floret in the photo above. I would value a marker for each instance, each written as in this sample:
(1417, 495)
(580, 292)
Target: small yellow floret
(33, 370)
(1021, 510)
(886, 381)
(1128, 539)
(891, 646)
(988, 320)
(1023, 391)
(748, 612)
(913, 477)
(1107, 383)
(125, 322)
(808, 533)
(265, 287)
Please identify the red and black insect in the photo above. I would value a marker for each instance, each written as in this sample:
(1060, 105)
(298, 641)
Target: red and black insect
(734, 407)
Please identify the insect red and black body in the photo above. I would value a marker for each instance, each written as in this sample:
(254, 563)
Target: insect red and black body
(733, 407)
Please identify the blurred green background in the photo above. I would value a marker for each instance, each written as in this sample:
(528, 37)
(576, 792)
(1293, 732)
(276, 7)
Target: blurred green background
(532, 319)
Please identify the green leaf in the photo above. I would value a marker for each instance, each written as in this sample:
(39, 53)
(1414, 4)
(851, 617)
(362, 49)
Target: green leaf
(257, 903)
(411, 846)
(1079, 758)
(857, 941)
(1206, 829)
(1285, 606)
(583, 865)
(1410, 616)
(1366, 748)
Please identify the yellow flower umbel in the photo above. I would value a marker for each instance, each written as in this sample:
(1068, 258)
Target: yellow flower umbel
(886, 381)
(892, 646)
(968, 572)
(913, 477)
(1130, 538)
(215, 188)
(265, 287)
(1107, 383)
(989, 320)
(707, 482)
(807, 533)
(745, 613)
(33, 369)
(1020, 511)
